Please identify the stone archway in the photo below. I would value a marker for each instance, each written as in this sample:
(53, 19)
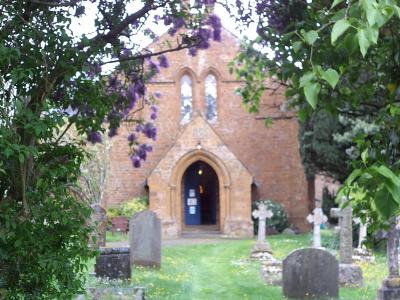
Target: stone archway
(198, 141)
(177, 186)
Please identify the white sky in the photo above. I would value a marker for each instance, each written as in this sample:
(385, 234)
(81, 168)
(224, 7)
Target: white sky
(85, 25)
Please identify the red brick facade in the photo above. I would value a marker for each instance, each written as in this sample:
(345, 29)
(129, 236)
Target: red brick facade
(238, 143)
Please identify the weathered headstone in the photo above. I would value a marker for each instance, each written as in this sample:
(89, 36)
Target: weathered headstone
(390, 289)
(145, 239)
(349, 273)
(113, 263)
(261, 247)
(310, 273)
(317, 218)
(99, 222)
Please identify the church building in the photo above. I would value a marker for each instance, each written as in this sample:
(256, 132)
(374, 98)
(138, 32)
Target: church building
(212, 158)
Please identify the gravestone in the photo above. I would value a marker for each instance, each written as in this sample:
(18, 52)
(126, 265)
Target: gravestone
(349, 274)
(113, 263)
(99, 222)
(261, 249)
(390, 289)
(361, 253)
(317, 218)
(310, 273)
(145, 239)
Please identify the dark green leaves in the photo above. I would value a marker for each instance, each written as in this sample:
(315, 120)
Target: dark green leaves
(311, 91)
(310, 37)
(331, 76)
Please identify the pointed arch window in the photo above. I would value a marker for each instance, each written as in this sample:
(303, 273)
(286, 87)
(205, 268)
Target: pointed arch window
(186, 98)
(211, 97)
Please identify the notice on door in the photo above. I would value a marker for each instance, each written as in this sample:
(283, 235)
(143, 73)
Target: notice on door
(192, 193)
(192, 201)
(192, 210)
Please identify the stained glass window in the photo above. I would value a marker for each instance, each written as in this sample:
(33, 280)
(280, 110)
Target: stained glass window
(211, 97)
(186, 98)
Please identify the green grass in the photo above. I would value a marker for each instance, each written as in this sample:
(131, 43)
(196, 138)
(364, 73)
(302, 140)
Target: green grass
(117, 237)
(223, 271)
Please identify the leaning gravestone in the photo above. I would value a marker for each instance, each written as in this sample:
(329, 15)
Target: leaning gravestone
(310, 273)
(99, 221)
(113, 263)
(145, 239)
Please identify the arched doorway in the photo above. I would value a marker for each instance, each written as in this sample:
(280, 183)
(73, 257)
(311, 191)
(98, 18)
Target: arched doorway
(200, 196)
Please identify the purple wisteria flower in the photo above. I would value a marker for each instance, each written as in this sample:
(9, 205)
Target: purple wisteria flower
(164, 63)
(154, 68)
(150, 131)
(215, 22)
(94, 137)
(139, 128)
(192, 51)
(132, 138)
(136, 162)
(140, 87)
(154, 111)
(132, 96)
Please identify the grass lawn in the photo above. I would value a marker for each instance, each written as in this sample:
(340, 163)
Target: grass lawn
(223, 271)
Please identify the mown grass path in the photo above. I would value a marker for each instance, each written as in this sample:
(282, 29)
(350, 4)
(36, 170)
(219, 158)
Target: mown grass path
(223, 271)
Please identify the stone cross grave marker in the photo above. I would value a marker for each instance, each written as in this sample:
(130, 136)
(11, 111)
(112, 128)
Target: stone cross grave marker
(145, 239)
(346, 233)
(391, 285)
(349, 273)
(362, 234)
(262, 214)
(317, 218)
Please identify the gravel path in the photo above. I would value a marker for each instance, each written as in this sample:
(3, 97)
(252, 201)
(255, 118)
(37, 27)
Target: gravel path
(179, 242)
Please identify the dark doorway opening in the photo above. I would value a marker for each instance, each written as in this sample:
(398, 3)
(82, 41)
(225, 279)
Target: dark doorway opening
(201, 194)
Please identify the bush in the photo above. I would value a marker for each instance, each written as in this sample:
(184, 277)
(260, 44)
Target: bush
(279, 220)
(129, 208)
(328, 202)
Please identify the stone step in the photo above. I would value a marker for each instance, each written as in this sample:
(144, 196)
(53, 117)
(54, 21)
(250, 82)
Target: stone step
(202, 235)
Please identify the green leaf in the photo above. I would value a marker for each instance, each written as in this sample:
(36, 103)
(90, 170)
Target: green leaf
(338, 29)
(336, 2)
(364, 156)
(297, 46)
(311, 91)
(8, 152)
(391, 181)
(310, 37)
(21, 158)
(353, 176)
(372, 34)
(385, 206)
(372, 15)
(397, 10)
(363, 41)
(331, 76)
(306, 78)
